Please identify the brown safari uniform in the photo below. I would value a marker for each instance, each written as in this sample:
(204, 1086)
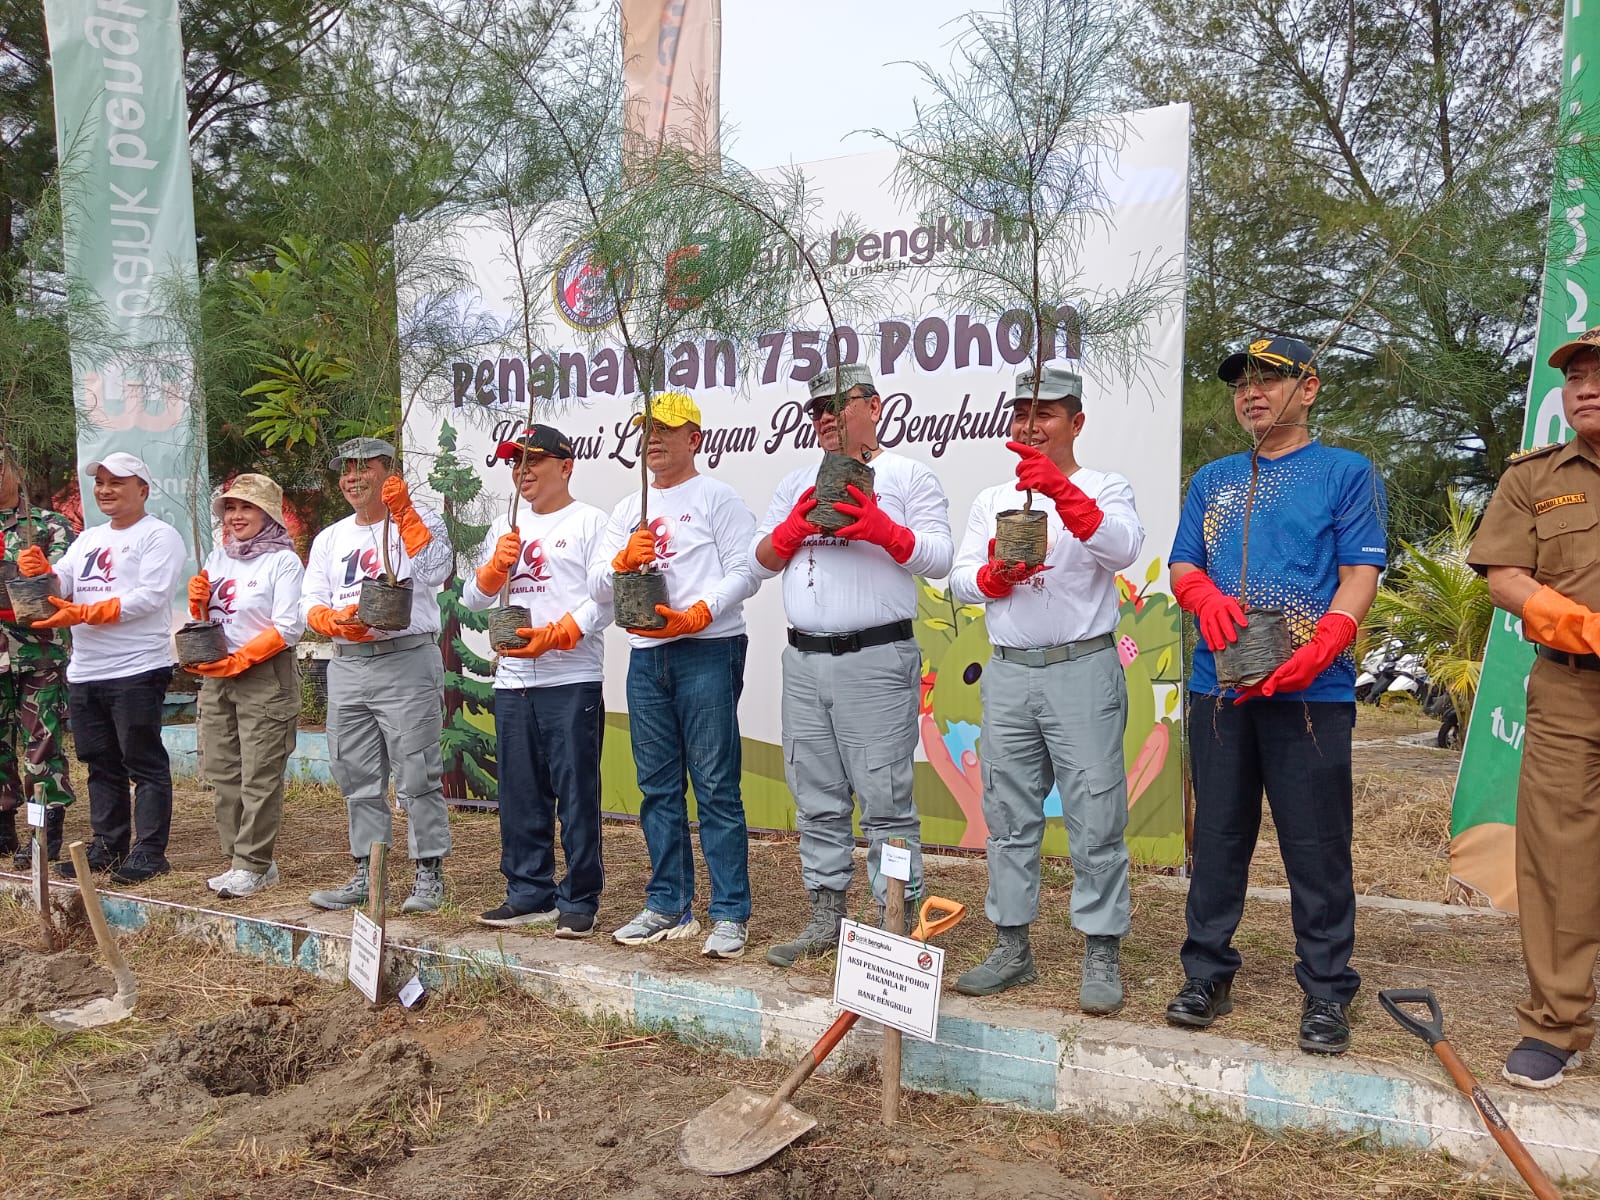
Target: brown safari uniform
(1545, 518)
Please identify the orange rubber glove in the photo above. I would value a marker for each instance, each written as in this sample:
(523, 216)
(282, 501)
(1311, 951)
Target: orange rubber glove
(558, 635)
(493, 574)
(32, 562)
(199, 595)
(257, 650)
(638, 551)
(106, 612)
(414, 535)
(1561, 622)
(691, 620)
(338, 623)
(1335, 631)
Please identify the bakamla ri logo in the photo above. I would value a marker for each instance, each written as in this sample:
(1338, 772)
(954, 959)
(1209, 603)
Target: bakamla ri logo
(584, 295)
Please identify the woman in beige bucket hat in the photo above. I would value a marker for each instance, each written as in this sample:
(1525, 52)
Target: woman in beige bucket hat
(250, 700)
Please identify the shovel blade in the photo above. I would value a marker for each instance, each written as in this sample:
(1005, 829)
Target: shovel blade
(739, 1132)
(102, 1010)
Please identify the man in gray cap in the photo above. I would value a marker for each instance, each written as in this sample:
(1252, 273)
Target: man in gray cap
(852, 670)
(385, 689)
(1055, 703)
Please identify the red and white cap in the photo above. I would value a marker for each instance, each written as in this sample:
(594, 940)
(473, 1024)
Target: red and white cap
(123, 464)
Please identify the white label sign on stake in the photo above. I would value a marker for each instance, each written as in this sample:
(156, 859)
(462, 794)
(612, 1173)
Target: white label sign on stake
(896, 862)
(366, 955)
(891, 979)
(35, 814)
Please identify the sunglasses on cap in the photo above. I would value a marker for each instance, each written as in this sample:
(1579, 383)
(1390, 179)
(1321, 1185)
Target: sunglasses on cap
(826, 404)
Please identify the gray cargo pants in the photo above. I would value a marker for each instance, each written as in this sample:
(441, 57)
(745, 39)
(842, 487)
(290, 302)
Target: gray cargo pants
(1060, 724)
(385, 715)
(850, 734)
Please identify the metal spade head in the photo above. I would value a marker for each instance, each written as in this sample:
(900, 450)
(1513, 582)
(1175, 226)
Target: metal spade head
(740, 1131)
(102, 1010)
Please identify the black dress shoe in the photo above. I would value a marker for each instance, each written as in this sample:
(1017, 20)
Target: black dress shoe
(1200, 1002)
(1324, 1026)
(137, 868)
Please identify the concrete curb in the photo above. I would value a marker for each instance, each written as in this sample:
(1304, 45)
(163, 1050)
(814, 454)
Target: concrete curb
(1046, 1060)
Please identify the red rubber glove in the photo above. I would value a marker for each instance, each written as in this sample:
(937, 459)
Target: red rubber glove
(414, 533)
(997, 577)
(338, 623)
(106, 612)
(872, 524)
(558, 635)
(794, 528)
(691, 620)
(1335, 631)
(199, 595)
(638, 551)
(1218, 614)
(493, 574)
(257, 650)
(7, 614)
(1036, 473)
(32, 562)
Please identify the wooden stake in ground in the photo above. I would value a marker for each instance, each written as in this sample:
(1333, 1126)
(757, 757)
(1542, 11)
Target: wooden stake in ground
(41, 870)
(377, 891)
(894, 920)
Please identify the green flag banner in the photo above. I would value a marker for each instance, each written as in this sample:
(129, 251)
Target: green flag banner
(1484, 811)
(127, 202)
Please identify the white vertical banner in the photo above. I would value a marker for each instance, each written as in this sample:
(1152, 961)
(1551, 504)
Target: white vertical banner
(672, 68)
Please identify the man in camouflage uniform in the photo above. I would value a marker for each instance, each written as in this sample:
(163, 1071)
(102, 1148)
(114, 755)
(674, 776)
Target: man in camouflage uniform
(33, 684)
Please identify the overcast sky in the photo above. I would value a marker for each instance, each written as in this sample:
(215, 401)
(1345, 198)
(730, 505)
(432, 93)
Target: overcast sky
(799, 75)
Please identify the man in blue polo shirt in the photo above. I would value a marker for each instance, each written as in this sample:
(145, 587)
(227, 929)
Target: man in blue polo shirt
(1316, 548)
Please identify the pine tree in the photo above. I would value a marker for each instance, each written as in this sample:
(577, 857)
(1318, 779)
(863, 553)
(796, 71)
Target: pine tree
(469, 765)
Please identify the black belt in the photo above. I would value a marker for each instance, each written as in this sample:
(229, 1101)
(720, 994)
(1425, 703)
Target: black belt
(849, 643)
(1578, 662)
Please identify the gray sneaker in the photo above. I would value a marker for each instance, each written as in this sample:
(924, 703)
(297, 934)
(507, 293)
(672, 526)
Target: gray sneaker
(1101, 991)
(821, 933)
(1010, 964)
(352, 895)
(427, 894)
(651, 926)
(727, 940)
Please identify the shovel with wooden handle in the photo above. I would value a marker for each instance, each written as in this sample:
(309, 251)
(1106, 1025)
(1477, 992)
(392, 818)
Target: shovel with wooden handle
(1432, 1032)
(102, 1010)
(745, 1128)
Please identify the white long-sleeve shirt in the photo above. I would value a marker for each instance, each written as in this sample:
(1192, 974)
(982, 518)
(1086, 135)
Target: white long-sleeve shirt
(345, 553)
(834, 585)
(1076, 597)
(550, 580)
(702, 529)
(141, 566)
(251, 596)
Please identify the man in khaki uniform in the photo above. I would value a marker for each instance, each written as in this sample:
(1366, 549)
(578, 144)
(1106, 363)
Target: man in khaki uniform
(1539, 545)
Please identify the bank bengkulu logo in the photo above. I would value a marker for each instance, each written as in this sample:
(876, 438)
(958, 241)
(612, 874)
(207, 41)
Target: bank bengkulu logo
(582, 294)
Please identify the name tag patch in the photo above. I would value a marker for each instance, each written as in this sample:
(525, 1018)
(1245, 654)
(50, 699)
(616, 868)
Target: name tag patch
(1545, 506)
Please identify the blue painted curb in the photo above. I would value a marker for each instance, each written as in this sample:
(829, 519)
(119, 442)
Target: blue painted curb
(1045, 1060)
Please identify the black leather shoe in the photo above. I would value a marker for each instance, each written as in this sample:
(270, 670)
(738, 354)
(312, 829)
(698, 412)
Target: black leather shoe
(1200, 1002)
(1324, 1026)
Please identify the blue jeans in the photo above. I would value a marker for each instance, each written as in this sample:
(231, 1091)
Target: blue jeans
(1299, 754)
(547, 757)
(683, 716)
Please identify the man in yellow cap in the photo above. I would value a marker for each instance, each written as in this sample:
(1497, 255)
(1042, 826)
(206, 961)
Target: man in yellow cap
(1539, 546)
(684, 679)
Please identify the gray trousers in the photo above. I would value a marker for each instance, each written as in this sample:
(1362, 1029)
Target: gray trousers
(1060, 724)
(850, 734)
(247, 731)
(385, 715)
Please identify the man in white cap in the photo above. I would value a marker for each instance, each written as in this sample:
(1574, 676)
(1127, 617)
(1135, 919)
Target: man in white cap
(1055, 703)
(852, 671)
(684, 681)
(549, 714)
(385, 688)
(117, 584)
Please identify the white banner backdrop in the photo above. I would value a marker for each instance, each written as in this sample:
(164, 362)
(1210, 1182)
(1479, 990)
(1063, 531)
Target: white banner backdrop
(945, 376)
